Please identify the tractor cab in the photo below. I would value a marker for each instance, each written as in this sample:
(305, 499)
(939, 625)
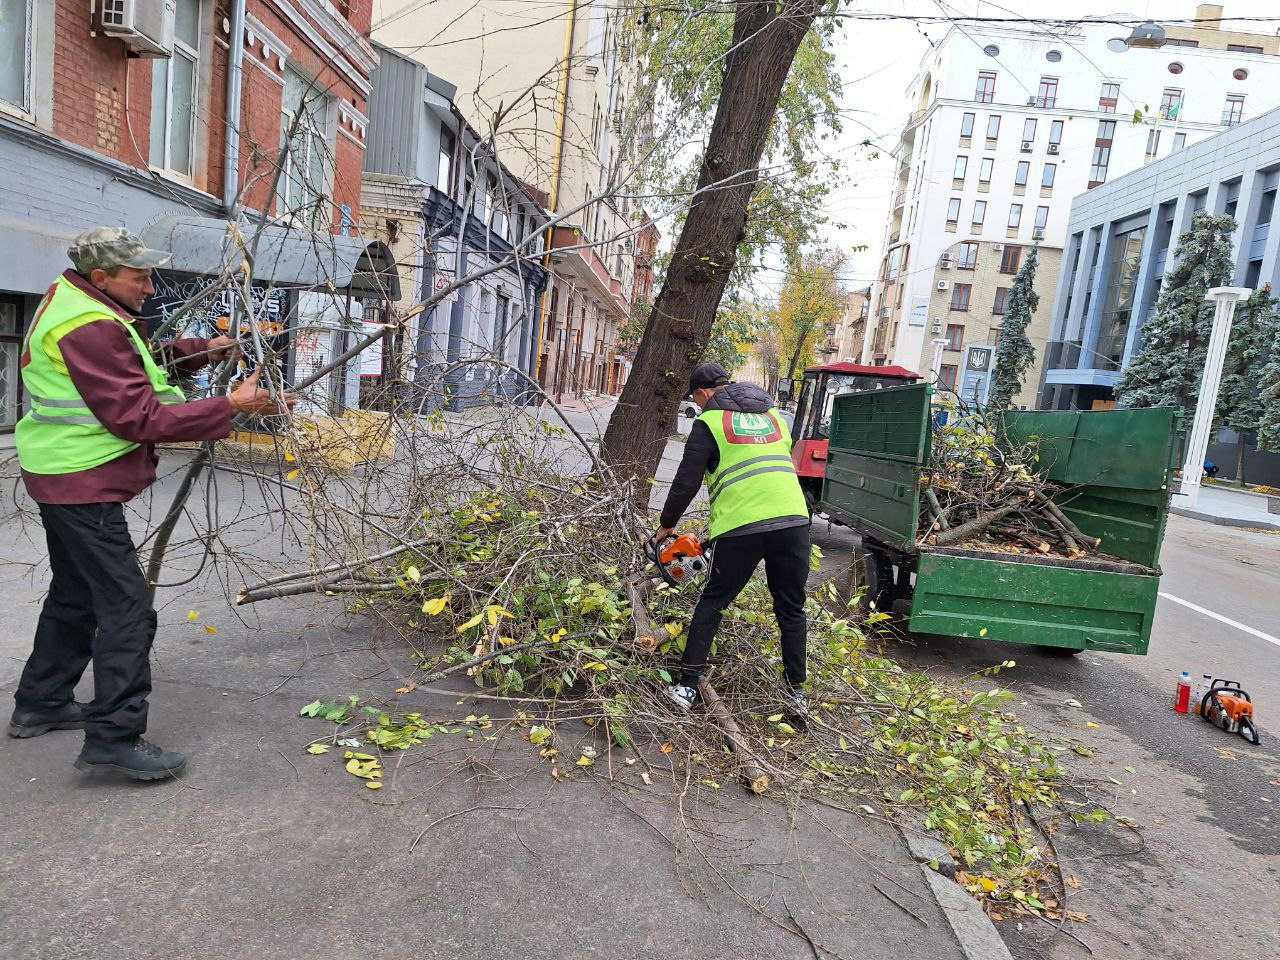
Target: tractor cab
(820, 386)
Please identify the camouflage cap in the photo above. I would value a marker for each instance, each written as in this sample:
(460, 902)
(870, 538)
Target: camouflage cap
(107, 247)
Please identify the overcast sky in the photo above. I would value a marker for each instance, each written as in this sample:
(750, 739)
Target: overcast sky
(880, 58)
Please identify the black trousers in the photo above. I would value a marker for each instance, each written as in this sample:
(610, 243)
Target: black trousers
(786, 565)
(99, 609)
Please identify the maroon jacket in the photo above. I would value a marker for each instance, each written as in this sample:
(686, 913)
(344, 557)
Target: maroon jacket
(107, 371)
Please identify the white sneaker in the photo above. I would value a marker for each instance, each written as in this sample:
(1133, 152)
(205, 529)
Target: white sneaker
(682, 696)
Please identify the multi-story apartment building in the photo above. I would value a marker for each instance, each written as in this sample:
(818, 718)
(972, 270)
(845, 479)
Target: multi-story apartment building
(553, 94)
(843, 339)
(127, 123)
(1008, 126)
(438, 227)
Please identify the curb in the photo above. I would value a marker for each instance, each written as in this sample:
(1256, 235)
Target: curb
(973, 929)
(1225, 521)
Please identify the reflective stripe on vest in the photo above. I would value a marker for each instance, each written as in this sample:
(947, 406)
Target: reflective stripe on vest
(755, 478)
(60, 434)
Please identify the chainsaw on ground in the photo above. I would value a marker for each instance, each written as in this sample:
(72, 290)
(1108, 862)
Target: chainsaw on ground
(680, 559)
(1228, 707)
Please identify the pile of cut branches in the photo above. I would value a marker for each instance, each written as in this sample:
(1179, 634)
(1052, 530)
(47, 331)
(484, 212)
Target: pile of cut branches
(501, 560)
(982, 492)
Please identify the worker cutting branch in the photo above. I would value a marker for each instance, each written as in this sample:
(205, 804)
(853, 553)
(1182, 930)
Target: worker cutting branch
(742, 448)
(99, 400)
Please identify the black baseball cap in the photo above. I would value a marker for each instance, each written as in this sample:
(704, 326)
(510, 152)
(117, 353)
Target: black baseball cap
(707, 375)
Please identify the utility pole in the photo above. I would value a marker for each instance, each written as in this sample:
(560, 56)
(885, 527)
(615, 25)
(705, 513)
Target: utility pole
(1225, 300)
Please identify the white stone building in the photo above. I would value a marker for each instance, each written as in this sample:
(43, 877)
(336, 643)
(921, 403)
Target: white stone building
(1007, 127)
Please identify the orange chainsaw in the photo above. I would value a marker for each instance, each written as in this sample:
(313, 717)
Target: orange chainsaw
(1227, 706)
(679, 559)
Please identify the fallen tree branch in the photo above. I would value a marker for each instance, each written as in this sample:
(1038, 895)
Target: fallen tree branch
(753, 775)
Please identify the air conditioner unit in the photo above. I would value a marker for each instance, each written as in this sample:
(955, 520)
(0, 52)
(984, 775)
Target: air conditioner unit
(1053, 148)
(943, 284)
(146, 26)
(592, 69)
(884, 313)
(1027, 145)
(997, 247)
(1031, 101)
(1037, 233)
(937, 326)
(945, 262)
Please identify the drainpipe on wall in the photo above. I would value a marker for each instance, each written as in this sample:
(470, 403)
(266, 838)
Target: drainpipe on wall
(562, 109)
(235, 78)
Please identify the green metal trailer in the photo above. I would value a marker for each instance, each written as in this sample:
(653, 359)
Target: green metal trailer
(1115, 466)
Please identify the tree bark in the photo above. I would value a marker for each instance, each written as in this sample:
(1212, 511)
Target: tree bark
(765, 39)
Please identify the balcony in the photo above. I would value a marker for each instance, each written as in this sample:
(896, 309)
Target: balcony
(895, 237)
(1046, 103)
(899, 199)
(1231, 117)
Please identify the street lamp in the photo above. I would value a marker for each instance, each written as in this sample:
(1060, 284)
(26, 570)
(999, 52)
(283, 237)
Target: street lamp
(939, 345)
(1147, 35)
(1225, 300)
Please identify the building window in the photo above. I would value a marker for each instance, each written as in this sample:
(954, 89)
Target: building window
(1242, 48)
(1240, 73)
(993, 126)
(1046, 178)
(1119, 297)
(1054, 56)
(953, 211)
(1002, 296)
(1021, 173)
(1171, 42)
(1109, 97)
(1011, 258)
(444, 168)
(984, 171)
(1233, 112)
(1055, 135)
(1015, 217)
(979, 214)
(1153, 144)
(1048, 93)
(966, 125)
(1102, 152)
(955, 335)
(1171, 103)
(1029, 130)
(17, 36)
(986, 91)
(968, 259)
(962, 165)
(947, 376)
(175, 88)
(1267, 206)
(1179, 141)
(304, 124)
(1042, 219)
(960, 294)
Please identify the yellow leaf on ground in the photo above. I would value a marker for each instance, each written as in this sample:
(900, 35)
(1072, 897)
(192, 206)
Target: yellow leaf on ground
(413, 574)
(192, 615)
(1090, 723)
(316, 748)
(408, 687)
(435, 605)
(667, 748)
(1072, 882)
(291, 475)
(987, 884)
(470, 623)
(585, 761)
(289, 457)
(209, 629)
(673, 629)
(374, 785)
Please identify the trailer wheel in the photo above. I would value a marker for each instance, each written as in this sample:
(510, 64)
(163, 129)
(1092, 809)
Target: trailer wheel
(872, 569)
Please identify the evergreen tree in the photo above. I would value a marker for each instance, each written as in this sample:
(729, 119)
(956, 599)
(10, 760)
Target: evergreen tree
(1240, 403)
(1269, 388)
(1014, 352)
(1166, 370)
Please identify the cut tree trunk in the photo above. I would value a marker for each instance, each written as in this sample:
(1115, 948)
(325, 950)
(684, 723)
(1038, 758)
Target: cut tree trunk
(765, 39)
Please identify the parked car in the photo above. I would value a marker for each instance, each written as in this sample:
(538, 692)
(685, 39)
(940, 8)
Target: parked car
(689, 409)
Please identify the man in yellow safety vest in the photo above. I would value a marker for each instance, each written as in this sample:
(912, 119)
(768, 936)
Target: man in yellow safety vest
(99, 399)
(742, 448)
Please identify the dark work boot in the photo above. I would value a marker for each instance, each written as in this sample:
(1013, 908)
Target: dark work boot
(137, 758)
(32, 723)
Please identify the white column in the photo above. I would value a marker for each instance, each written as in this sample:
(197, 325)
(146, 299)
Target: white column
(1225, 299)
(936, 368)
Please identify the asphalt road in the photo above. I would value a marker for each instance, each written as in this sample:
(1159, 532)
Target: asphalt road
(1199, 875)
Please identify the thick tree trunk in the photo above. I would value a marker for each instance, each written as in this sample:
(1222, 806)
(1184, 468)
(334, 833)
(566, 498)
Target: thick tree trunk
(765, 39)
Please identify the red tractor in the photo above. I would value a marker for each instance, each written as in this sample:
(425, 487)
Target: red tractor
(820, 386)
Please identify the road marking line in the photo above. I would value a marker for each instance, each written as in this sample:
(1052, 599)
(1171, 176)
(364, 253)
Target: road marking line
(1227, 620)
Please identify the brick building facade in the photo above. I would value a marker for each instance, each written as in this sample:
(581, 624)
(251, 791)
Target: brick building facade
(92, 133)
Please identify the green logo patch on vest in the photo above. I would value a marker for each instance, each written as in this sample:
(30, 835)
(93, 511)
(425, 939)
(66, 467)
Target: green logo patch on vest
(742, 427)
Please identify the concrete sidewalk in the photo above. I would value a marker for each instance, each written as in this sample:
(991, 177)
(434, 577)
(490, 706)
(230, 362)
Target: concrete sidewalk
(263, 850)
(1230, 508)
